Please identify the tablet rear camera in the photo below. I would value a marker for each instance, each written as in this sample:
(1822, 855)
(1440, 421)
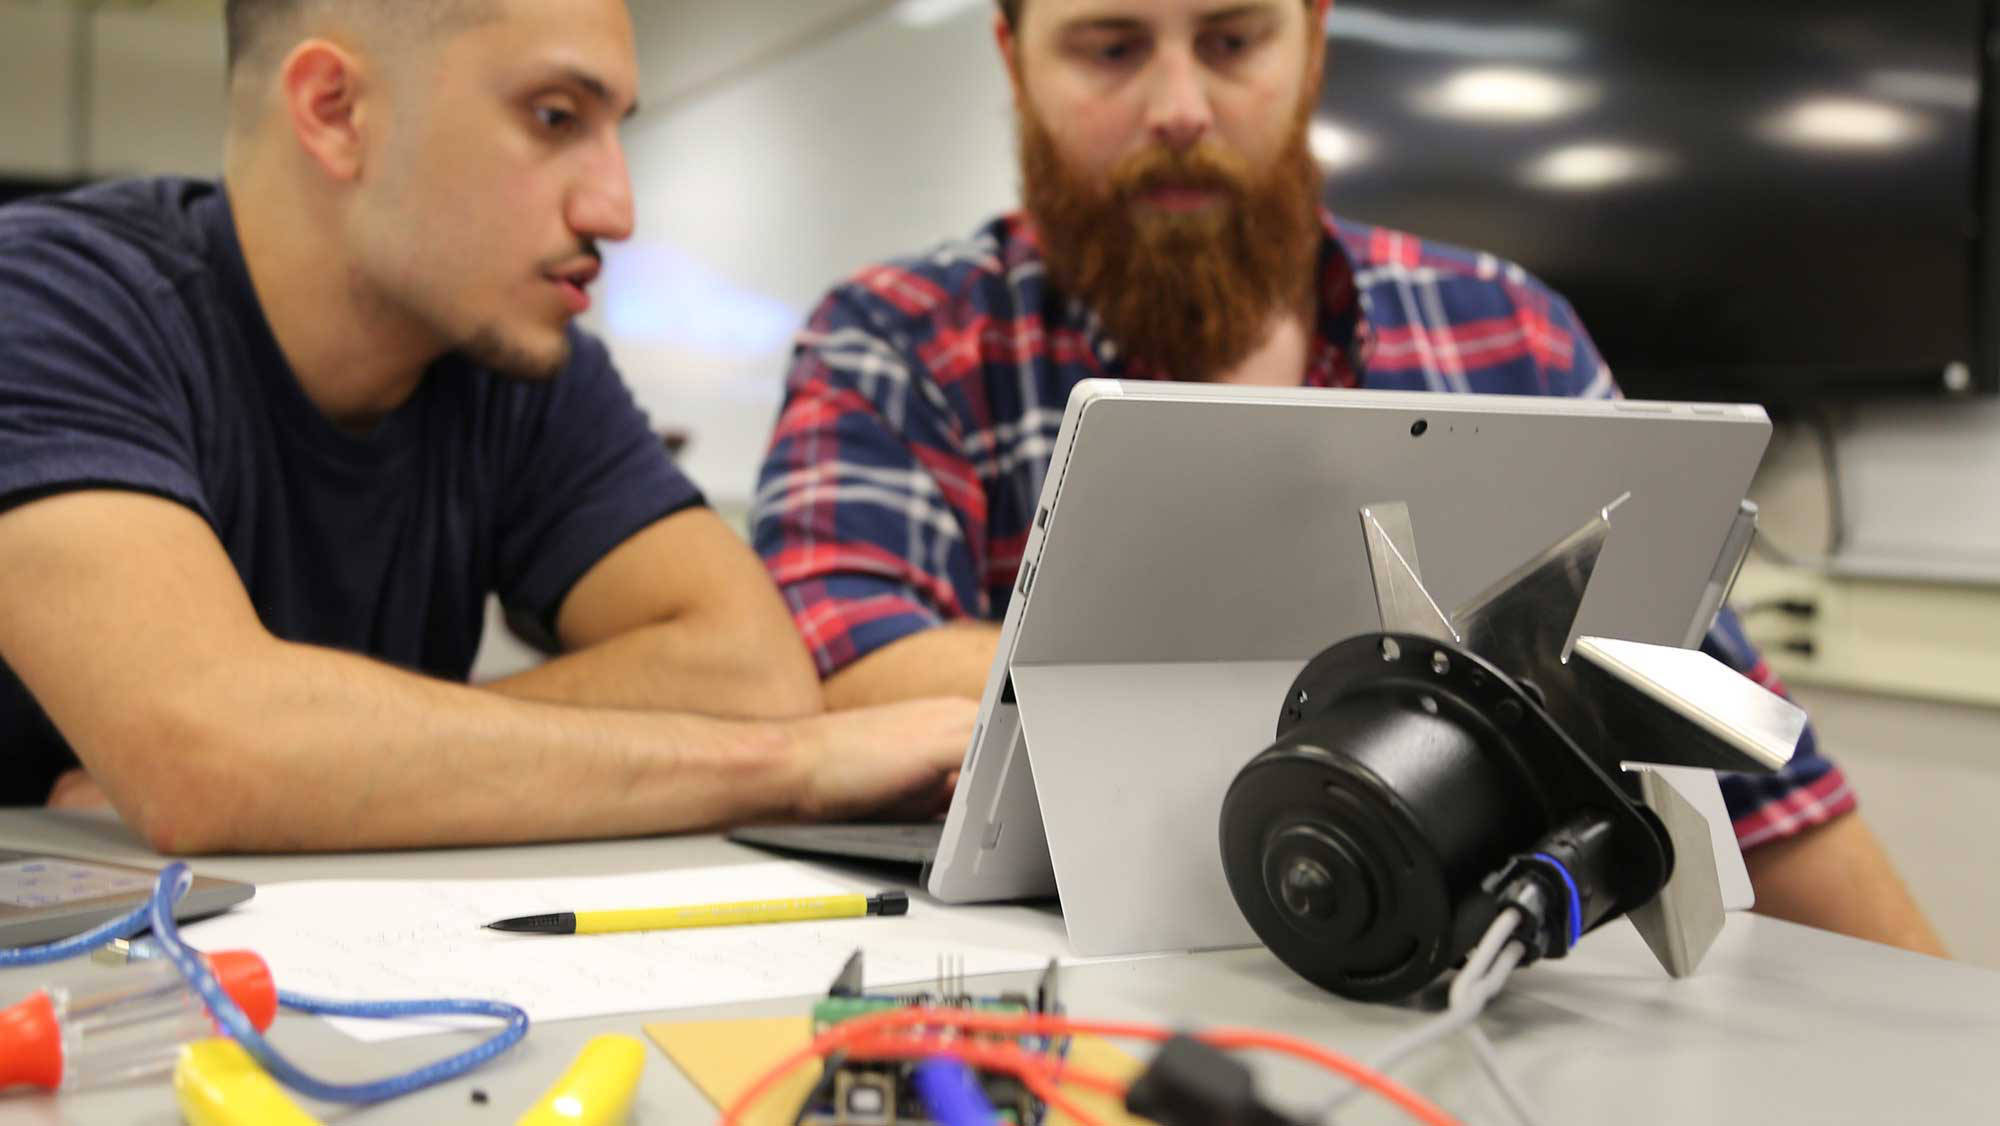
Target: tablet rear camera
(1418, 427)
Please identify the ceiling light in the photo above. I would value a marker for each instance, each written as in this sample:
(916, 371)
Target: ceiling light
(1846, 124)
(1506, 94)
(1480, 40)
(930, 13)
(1593, 167)
(1336, 146)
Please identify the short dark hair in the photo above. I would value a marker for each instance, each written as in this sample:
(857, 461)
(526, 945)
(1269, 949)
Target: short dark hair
(249, 24)
(245, 21)
(1012, 10)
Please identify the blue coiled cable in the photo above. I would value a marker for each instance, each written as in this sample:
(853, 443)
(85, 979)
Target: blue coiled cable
(158, 913)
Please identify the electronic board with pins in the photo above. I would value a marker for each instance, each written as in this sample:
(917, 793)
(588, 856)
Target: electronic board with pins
(861, 1086)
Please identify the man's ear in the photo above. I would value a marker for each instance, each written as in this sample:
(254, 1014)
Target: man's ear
(322, 86)
(1010, 51)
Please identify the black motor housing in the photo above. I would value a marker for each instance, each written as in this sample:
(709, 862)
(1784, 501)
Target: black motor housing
(1364, 844)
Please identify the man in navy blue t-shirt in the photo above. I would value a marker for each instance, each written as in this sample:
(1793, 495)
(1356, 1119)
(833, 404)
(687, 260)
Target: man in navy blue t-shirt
(267, 445)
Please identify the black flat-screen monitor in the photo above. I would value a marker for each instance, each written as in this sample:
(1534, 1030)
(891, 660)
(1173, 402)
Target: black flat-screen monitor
(1775, 201)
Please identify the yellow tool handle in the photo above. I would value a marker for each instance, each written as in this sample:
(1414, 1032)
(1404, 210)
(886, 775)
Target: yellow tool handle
(218, 1084)
(723, 914)
(597, 1089)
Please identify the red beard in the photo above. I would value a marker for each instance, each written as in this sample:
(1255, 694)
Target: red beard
(1190, 294)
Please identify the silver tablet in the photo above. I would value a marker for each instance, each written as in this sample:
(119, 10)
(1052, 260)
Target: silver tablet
(45, 897)
(1195, 544)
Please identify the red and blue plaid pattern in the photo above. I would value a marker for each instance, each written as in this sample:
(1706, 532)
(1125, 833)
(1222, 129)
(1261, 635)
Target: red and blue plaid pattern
(924, 397)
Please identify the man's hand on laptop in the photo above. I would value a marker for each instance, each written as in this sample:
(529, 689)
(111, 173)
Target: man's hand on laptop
(897, 762)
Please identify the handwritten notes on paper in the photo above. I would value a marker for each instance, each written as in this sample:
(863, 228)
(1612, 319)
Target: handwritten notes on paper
(392, 939)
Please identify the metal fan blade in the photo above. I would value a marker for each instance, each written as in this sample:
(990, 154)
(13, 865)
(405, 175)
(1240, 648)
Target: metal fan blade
(1683, 707)
(1683, 921)
(1400, 597)
(1522, 623)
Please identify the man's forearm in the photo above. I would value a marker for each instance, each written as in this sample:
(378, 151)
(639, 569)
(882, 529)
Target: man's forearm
(315, 749)
(679, 617)
(686, 665)
(951, 660)
(124, 617)
(1836, 877)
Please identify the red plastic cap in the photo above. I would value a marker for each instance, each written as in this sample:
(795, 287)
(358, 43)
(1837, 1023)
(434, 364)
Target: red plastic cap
(247, 980)
(31, 1045)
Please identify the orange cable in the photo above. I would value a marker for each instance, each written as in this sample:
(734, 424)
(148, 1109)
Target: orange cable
(1411, 1103)
(849, 1035)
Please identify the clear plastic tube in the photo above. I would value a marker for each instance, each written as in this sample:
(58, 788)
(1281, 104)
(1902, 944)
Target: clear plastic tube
(113, 1026)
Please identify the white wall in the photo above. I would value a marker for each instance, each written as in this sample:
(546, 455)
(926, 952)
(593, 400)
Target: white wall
(157, 101)
(689, 45)
(36, 126)
(154, 92)
(760, 192)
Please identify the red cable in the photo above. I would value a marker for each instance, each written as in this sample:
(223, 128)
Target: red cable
(1047, 1025)
(1039, 1073)
(1052, 1095)
(849, 1033)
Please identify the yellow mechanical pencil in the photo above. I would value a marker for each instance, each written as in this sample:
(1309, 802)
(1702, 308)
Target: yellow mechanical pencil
(709, 914)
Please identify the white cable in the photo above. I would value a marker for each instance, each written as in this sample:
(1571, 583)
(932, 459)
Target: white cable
(1482, 1048)
(1510, 1092)
(1470, 990)
(1486, 954)
(1476, 997)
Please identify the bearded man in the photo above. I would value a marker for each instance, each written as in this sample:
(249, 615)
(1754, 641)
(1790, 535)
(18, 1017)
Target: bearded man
(1171, 231)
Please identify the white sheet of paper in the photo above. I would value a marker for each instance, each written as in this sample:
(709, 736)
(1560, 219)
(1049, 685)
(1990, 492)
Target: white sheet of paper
(380, 940)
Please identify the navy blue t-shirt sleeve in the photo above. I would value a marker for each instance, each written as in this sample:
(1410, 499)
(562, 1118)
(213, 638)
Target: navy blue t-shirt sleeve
(89, 396)
(586, 476)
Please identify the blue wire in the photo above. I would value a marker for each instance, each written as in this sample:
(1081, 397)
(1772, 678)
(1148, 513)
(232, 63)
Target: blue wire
(173, 883)
(1575, 900)
(78, 945)
(232, 1020)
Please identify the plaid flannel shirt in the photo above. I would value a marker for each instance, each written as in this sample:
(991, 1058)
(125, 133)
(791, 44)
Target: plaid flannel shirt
(924, 397)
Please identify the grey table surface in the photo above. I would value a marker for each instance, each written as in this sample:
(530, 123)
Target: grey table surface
(1782, 1025)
